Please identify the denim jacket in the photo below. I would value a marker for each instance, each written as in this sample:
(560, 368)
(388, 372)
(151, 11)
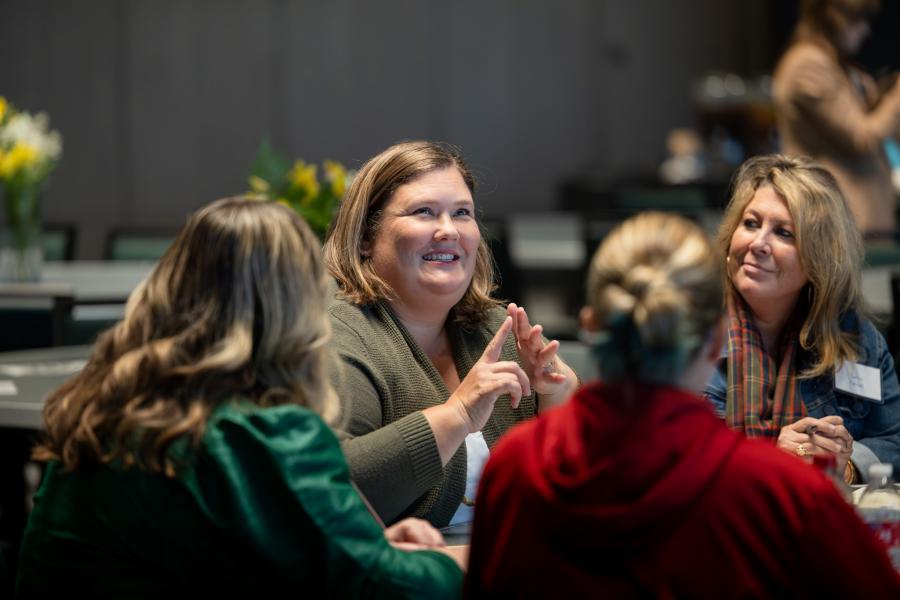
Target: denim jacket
(875, 426)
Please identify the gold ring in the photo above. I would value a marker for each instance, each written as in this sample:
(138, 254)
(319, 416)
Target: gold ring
(801, 450)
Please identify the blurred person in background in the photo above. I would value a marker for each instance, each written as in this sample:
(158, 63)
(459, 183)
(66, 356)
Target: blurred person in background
(435, 368)
(191, 456)
(634, 488)
(829, 109)
(803, 366)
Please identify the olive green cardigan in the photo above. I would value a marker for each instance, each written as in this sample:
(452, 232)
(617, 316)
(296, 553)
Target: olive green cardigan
(385, 383)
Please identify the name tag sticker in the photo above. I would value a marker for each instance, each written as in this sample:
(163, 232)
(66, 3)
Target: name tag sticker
(859, 380)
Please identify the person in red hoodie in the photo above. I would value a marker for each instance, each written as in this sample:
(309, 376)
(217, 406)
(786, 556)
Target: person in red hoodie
(634, 488)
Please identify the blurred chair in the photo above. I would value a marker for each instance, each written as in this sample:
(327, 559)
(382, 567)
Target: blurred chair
(684, 200)
(506, 274)
(882, 254)
(596, 229)
(688, 201)
(547, 240)
(58, 241)
(83, 329)
(890, 326)
(883, 259)
(137, 244)
(549, 253)
(25, 327)
(122, 244)
(605, 198)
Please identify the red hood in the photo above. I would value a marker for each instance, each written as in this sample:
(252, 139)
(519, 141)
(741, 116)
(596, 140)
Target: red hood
(625, 463)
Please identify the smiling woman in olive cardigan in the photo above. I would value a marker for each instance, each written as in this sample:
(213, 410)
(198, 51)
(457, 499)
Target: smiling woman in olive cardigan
(427, 352)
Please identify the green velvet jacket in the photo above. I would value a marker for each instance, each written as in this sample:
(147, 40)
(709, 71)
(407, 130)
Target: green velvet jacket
(264, 507)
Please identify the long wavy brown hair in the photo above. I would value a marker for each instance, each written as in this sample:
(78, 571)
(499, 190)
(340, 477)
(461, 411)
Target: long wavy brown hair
(234, 309)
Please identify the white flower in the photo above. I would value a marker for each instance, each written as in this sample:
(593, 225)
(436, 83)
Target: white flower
(22, 128)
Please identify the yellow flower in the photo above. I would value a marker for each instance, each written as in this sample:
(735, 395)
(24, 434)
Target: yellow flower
(20, 157)
(303, 177)
(337, 175)
(258, 184)
(285, 202)
(4, 106)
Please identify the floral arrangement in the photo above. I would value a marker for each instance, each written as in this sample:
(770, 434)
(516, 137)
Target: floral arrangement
(29, 151)
(298, 186)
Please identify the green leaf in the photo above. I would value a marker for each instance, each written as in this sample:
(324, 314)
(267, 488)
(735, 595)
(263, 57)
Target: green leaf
(271, 166)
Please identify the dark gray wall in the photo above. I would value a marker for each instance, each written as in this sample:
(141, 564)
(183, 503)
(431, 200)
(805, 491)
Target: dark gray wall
(162, 103)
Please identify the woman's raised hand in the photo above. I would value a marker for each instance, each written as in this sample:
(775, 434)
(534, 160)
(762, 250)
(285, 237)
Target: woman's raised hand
(546, 371)
(489, 379)
(471, 404)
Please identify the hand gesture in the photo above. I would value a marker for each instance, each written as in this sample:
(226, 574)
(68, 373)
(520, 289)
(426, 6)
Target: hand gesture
(829, 435)
(489, 379)
(544, 369)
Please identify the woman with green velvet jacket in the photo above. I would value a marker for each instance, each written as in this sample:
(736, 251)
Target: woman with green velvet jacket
(193, 453)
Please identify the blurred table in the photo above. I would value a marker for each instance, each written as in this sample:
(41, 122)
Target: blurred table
(85, 282)
(457, 535)
(77, 285)
(28, 377)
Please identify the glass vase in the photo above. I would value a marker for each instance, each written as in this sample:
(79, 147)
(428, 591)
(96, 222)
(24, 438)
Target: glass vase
(21, 254)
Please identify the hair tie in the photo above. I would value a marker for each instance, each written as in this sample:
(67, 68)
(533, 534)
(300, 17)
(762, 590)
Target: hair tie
(620, 352)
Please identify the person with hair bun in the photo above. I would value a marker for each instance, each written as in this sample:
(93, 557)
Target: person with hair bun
(634, 488)
(435, 369)
(192, 455)
(803, 367)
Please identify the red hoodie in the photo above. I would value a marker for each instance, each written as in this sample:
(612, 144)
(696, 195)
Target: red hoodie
(639, 491)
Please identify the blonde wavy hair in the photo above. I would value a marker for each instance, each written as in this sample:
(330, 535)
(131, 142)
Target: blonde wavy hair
(654, 287)
(828, 241)
(359, 218)
(234, 309)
